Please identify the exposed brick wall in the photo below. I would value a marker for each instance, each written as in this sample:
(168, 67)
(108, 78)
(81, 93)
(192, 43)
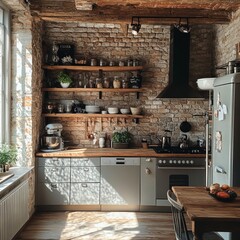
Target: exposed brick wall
(151, 47)
(24, 105)
(226, 36)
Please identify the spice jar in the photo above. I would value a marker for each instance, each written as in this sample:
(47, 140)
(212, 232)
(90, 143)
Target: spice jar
(116, 82)
(99, 83)
(106, 82)
(124, 83)
(92, 83)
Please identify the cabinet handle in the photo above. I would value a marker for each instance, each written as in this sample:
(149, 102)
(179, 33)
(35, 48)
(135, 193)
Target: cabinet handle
(54, 186)
(86, 169)
(84, 185)
(148, 171)
(148, 160)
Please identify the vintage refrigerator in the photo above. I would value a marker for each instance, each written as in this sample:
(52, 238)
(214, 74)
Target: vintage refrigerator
(226, 133)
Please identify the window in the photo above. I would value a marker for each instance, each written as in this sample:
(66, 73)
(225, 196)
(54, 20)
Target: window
(4, 75)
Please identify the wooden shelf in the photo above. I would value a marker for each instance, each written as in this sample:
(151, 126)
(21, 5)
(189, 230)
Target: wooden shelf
(99, 90)
(90, 115)
(92, 90)
(93, 68)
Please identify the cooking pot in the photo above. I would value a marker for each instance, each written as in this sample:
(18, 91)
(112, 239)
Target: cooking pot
(185, 126)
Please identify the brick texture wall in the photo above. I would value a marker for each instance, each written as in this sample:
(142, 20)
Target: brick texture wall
(225, 38)
(151, 47)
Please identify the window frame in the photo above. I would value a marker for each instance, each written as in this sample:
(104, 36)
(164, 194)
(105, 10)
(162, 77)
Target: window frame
(5, 108)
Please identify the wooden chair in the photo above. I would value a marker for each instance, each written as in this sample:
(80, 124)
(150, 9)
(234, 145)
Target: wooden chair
(179, 223)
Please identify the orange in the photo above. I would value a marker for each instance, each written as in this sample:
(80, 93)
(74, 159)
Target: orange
(222, 195)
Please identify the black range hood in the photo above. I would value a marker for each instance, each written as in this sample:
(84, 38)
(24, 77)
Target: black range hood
(178, 86)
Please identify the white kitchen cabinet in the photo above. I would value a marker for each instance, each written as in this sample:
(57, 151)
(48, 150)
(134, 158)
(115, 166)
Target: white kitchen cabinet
(85, 193)
(148, 181)
(53, 162)
(53, 174)
(53, 193)
(85, 162)
(53, 181)
(85, 181)
(85, 174)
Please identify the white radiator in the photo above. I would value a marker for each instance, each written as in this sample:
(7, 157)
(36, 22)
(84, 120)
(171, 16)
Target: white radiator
(14, 211)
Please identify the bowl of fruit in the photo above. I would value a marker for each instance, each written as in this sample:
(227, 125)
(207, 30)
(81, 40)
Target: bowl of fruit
(222, 192)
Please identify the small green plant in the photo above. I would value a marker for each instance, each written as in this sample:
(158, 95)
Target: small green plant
(8, 154)
(64, 78)
(122, 137)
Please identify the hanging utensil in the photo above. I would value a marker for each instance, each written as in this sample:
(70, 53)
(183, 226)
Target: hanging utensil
(185, 126)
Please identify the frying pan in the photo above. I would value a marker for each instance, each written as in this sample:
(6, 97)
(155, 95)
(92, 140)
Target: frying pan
(185, 126)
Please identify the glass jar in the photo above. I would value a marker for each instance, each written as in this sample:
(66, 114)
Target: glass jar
(92, 83)
(99, 83)
(116, 82)
(106, 82)
(124, 83)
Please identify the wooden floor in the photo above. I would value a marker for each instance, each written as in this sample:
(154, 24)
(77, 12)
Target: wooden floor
(98, 225)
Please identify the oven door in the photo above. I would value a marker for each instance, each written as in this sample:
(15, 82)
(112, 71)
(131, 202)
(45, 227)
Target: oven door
(166, 177)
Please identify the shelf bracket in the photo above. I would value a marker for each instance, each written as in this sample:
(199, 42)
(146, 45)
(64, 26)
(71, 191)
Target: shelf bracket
(100, 95)
(138, 93)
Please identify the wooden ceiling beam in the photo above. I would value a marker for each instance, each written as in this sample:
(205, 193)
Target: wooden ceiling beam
(84, 5)
(120, 12)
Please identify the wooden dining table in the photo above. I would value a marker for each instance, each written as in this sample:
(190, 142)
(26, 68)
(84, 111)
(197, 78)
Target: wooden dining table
(208, 214)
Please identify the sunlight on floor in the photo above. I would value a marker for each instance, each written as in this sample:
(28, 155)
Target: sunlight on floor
(107, 225)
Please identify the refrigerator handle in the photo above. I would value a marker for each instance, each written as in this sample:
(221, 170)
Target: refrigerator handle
(220, 170)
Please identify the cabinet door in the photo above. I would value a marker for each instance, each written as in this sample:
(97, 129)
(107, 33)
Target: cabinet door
(85, 161)
(85, 193)
(85, 174)
(56, 162)
(54, 174)
(53, 193)
(148, 181)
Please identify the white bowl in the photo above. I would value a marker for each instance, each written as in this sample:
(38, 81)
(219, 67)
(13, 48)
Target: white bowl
(92, 109)
(113, 110)
(205, 83)
(135, 110)
(124, 110)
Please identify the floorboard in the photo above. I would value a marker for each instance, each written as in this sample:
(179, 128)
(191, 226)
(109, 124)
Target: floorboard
(98, 225)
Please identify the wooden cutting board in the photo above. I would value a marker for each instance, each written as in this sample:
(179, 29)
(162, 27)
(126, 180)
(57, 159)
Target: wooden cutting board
(5, 176)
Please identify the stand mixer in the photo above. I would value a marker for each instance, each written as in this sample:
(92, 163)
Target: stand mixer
(52, 140)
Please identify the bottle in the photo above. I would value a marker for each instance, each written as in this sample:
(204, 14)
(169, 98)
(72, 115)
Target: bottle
(116, 82)
(99, 83)
(106, 83)
(108, 141)
(124, 83)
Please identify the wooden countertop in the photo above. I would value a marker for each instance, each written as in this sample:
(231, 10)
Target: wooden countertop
(111, 152)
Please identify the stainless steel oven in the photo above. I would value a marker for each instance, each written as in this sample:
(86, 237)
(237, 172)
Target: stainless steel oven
(178, 172)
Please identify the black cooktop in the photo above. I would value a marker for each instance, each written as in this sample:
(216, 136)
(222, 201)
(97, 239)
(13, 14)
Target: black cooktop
(191, 150)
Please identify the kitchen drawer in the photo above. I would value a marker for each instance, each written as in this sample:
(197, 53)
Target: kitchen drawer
(58, 162)
(54, 174)
(85, 161)
(85, 174)
(85, 193)
(53, 193)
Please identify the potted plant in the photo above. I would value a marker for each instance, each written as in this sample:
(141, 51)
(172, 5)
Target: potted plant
(8, 156)
(64, 79)
(121, 139)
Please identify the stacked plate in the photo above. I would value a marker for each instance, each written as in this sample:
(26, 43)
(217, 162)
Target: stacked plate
(92, 109)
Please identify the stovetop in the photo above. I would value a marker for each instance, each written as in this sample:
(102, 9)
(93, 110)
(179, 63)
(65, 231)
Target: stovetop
(175, 149)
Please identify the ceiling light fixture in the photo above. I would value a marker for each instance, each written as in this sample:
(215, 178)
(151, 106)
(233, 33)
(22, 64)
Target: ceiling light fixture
(135, 26)
(184, 28)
